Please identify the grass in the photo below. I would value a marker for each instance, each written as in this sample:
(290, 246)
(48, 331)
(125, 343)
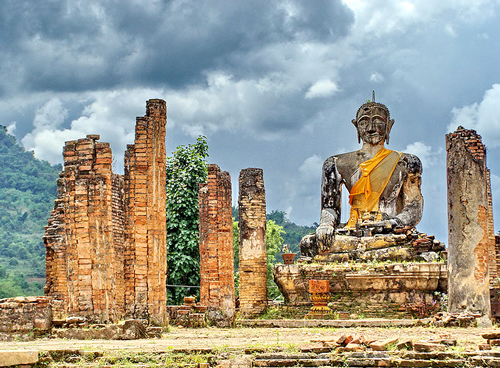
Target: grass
(128, 359)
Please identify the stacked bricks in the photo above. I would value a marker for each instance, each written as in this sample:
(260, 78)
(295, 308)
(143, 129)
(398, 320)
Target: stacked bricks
(81, 267)
(32, 314)
(253, 251)
(106, 237)
(471, 246)
(216, 247)
(146, 234)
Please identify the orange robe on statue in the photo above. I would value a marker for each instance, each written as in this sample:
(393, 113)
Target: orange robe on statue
(365, 194)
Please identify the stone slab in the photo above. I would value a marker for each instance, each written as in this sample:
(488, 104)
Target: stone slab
(297, 323)
(17, 357)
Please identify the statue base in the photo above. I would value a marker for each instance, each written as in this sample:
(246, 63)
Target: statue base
(402, 245)
(387, 290)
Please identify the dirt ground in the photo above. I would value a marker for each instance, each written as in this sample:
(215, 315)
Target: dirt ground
(255, 338)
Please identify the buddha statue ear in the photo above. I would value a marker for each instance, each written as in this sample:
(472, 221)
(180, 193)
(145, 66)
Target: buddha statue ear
(388, 128)
(355, 123)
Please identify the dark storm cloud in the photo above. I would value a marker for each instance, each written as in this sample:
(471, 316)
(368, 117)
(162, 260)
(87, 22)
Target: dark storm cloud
(72, 46)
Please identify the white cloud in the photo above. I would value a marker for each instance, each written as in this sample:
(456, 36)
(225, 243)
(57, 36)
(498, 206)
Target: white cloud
(484, 117)
(11, 128)
(50, 115)
(424, 153)
(109, 114)
(376, 77)
(46, 139)
(322, 88)
(450, 30)
(311, 168)
(380, 17)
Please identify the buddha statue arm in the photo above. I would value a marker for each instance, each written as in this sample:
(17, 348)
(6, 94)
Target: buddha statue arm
(408, 196)
(330, 201)
(413, 202)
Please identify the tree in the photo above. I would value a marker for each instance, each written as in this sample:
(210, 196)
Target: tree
(274, 242)
(185, 170)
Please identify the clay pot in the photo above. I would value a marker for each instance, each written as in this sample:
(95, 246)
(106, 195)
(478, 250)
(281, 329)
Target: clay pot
(189, 300)
(182, 312)
(288, 258)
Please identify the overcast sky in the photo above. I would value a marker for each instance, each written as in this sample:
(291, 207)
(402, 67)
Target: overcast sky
(272, 84)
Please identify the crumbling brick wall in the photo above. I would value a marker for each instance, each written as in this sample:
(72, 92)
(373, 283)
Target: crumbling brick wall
(80, 250)
(216, 247)
(471, 245)
(253, 251)
(107, 232)
(25, 314)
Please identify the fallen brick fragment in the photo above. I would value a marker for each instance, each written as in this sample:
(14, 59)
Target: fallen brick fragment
(428, 347)
(383, 344)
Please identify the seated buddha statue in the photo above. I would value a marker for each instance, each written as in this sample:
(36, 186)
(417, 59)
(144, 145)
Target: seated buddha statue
(384, 193)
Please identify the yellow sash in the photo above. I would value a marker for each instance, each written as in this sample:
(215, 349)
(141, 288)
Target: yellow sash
(365, 194)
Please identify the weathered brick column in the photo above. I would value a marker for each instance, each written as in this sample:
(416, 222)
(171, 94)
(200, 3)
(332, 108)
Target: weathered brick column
(146, 234)
(253, 251)
(216, 247)
(470, 238)
(81, 254)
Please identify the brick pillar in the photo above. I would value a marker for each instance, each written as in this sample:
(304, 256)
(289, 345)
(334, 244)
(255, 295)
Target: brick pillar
(470, 242)
(492, 256)
(216, 247)
(145, 245)
(253, 251)
(81, 264)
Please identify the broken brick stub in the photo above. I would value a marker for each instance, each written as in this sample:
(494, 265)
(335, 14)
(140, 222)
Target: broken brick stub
(471, 245)
(252, 238)
(216, 247)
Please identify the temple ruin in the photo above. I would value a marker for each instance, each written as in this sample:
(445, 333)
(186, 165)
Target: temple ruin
(106, 237)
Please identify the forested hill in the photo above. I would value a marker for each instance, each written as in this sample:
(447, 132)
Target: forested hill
(27, 192)
(293, 232)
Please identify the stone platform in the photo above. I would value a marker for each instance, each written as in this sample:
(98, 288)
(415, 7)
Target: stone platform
(366, 289)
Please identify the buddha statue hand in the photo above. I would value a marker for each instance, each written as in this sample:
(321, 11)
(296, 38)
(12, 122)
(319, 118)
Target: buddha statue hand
(325, 235)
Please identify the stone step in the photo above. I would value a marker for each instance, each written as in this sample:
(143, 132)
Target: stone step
(284, 360)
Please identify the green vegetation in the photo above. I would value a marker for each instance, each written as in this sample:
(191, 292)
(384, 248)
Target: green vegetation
(293, 232)
(27, 190)
(276, 236)
(186, 169)
(123, 358)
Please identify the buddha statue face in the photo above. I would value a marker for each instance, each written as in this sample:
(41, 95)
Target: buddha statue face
(373, 124)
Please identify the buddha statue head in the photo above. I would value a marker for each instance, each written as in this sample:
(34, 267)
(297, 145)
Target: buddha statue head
(373, 123)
